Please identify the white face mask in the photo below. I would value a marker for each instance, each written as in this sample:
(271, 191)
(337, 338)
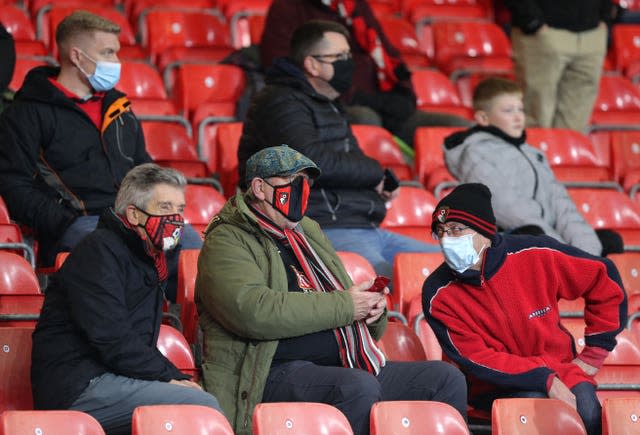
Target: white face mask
(459, 252)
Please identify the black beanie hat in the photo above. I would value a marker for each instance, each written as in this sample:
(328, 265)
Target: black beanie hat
(469, 204)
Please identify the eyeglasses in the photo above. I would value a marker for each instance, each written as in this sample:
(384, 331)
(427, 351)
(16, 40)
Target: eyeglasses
(336, 56)
(451, 231)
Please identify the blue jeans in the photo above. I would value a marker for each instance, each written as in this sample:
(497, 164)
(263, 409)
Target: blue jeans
(376, 245)
(111, 399)
(83, 225)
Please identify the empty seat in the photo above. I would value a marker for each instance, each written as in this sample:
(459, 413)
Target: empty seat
(17, 23)
(15, 368)
(625, 46)
(628, 264)
(402, 36)
(410, 269)
(572, 155)
(625, 149)
(358, 267)
(169, 144)
(238, 14)
(617, 105)
(248, 30)
(203, 202)
(427, 337)
(400, 343)
(187, 272)
(48, 423)
(179, 420)
(535, 417)
(410, 214)
(377, 142)
(20, 296)
(299, 417)
(173, 345)
(465, 47)
(416, 418)
(422, 12)
(435, 93)
(621, 416)
(137, 9)
(226, 155)
(429, 157)
(11, 240)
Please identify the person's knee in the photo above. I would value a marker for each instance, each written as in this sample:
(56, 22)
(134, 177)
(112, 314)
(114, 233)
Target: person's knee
(363, 386)
(198, 397)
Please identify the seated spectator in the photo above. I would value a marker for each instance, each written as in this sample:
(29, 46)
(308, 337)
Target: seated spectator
(94, 348)
(493, 306)
(381, 92)
(283, 322)
(527, 197)
(298, 107)
(69, 138)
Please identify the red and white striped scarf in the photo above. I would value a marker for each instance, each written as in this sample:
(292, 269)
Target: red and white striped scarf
(357, 348)
(367, 37)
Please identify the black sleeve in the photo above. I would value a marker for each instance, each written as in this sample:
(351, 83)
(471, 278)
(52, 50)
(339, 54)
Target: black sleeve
(22, 132)
(141, 155)
(8, 56)
(98, 309)
(525, 14)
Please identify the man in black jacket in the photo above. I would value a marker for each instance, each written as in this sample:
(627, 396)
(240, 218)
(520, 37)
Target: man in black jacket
(69, 138)
(94, 348)
(559, 48)
(299, 107)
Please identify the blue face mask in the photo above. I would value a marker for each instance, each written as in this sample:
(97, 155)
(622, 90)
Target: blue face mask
(106, 75)
(459, 252)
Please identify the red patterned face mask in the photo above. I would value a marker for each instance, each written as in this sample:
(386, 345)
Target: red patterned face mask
(163, 230)
(291, 199)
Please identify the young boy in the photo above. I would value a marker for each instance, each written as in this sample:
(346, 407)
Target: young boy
(527, 198)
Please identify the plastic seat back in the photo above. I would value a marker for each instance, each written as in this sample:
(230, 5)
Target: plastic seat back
(15, 368)
(621, 416)
(23, 66)
(227, 143)
(299, 417)
(625, 149)
(400, 343)
(203, 202)
(410, 214)
(416, 418)
(173, 345)
(141, 80)
(617, 104)
(16, 275)
(49, 423)
(409, 272)
(628, 264)
(187, 272)
(402, 36)
(179, 420)
(169, 144)
(377, 143)
(534, 417)
(625, 44)
(435, 92)
(17, 23)
(429, 157)
(427, 337)
(358, 267)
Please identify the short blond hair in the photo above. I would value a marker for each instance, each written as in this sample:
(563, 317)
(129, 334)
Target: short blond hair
(83, 22)
(490, 88)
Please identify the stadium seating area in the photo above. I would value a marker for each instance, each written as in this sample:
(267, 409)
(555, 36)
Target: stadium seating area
(186, 100)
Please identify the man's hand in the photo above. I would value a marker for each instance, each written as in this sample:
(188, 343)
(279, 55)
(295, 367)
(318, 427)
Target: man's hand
(378, 309)
(561, 392)
(588, 369)
(185, 383)
(363, 301)
(389, 196)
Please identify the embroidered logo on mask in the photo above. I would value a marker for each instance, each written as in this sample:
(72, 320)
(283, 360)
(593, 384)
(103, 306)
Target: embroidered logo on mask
(442, 214)
(539, 313)
(284, 197)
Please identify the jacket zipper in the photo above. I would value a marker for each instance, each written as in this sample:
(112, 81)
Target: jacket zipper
(535, 176)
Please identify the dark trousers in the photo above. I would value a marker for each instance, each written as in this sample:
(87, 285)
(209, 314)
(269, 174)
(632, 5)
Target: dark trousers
(353, 391)
(586, 400)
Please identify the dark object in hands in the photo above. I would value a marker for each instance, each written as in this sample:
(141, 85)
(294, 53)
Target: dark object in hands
(379, 284)
(391, 182)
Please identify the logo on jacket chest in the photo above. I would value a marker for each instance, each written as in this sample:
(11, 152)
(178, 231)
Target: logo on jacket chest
(539, 313)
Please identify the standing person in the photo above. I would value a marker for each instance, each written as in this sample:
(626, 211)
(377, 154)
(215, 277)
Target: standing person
(527, 197)
(298, 107)
(282, 320)
(559, 49)
(94, 347)
(493, 305)
(381, 92)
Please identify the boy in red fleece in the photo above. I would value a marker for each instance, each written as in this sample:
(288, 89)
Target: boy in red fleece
(493, 305)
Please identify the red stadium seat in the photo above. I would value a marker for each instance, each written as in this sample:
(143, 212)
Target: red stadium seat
(617, 105)
(226, 155)
(466, 47)
(134, 9)
(172, 344)
(187, 271)
(358, 267)
(203, 202)
(427, 337)
(435, 93)
(628, 265)
(625, 46)
(248, 30)
(238, 13)
(377, 143)
(23, 66)
(49, 423)
(608, 208)
(400, 343)
(410, 214)
(144, 88)
(169, 144)
(534, 417)
(17, 22)
(572, 156)
(621, 416)
(416, 418)
(15, 369)
(625, 149)
(402, 36)
(421, 12)
(429, 155)
(11, 240)
(4, 213)
(179, 420)
(20, 296)
(410, 269)
(300, 418)
(36, 5)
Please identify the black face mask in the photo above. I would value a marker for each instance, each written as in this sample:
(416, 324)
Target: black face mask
(291, 199)
(342, 75)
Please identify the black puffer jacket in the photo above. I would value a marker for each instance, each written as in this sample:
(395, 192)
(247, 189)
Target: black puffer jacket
(54, 163)
(573, 15)
(107, 320)
(289, 111)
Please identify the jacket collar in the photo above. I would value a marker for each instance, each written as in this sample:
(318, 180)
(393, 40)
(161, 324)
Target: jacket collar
(459, 137)
(285, 72)
(492, 261)
(111, 221)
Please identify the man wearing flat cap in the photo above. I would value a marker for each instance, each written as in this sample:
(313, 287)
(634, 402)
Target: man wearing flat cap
(282, 320)
(493, 304)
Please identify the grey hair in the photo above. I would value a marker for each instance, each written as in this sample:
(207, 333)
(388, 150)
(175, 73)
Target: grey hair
(137, 186)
